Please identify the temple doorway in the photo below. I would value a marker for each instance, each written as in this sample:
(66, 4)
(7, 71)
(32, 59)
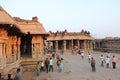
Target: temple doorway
(26, 45)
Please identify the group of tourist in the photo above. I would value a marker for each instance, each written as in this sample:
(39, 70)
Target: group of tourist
(107, 60)
(48, 64)
(103, 60)
(41, 66)
(17, 76)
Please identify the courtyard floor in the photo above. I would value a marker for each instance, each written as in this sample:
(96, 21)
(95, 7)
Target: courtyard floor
(76, 68)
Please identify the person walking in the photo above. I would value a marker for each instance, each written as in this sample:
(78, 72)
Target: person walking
(42, 66)
(89, 57)
(1, 78)
(47, 64)
(93, 64)
(58, 63)
(9, 77)
(18, 75)
(38, 69)
(114, 59)
(50, 65)
(107, 62)
(82, 55)
(61, 65)
(79, 52)
(102, 59)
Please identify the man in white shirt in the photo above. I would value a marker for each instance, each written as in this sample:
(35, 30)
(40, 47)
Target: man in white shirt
(82, 55)
(42, 66)
(102, 60)
(107, 62)
(89, 57)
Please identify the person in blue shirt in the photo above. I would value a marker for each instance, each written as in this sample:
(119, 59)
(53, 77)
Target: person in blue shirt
(50, 65)
(18, 75)
(61, 65)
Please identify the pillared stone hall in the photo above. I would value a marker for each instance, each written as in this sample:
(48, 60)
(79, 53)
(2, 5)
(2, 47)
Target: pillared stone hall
(24, 42)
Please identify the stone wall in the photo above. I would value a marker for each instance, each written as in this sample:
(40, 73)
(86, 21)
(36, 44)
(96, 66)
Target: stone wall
(111, 45)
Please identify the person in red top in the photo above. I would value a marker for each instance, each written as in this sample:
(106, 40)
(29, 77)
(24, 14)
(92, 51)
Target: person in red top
(114, 62)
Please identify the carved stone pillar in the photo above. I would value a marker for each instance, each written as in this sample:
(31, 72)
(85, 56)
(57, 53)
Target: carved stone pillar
(0, 49)
(85, 45)
(2, 56)
(98, 45)
(72, 46)
(56, 46)
(52, 45)
(91, 47)
(49, 45)
(81, 44)
(78, 44)
(88, 44)
(18, 50)
(64, 45)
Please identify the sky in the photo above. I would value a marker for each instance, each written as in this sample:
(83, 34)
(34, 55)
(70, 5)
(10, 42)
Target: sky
(100, 17)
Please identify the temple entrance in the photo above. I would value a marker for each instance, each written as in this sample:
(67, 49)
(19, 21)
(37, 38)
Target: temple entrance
(60, 45)
(26, 45)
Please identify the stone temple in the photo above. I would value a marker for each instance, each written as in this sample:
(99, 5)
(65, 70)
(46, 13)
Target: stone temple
(70, 42)
(24, 42)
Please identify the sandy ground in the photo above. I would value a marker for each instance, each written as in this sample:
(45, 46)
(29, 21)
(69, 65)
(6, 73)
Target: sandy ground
(76, 68)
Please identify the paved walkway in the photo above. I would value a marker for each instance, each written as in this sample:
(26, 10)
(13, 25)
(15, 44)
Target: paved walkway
(77, 69)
